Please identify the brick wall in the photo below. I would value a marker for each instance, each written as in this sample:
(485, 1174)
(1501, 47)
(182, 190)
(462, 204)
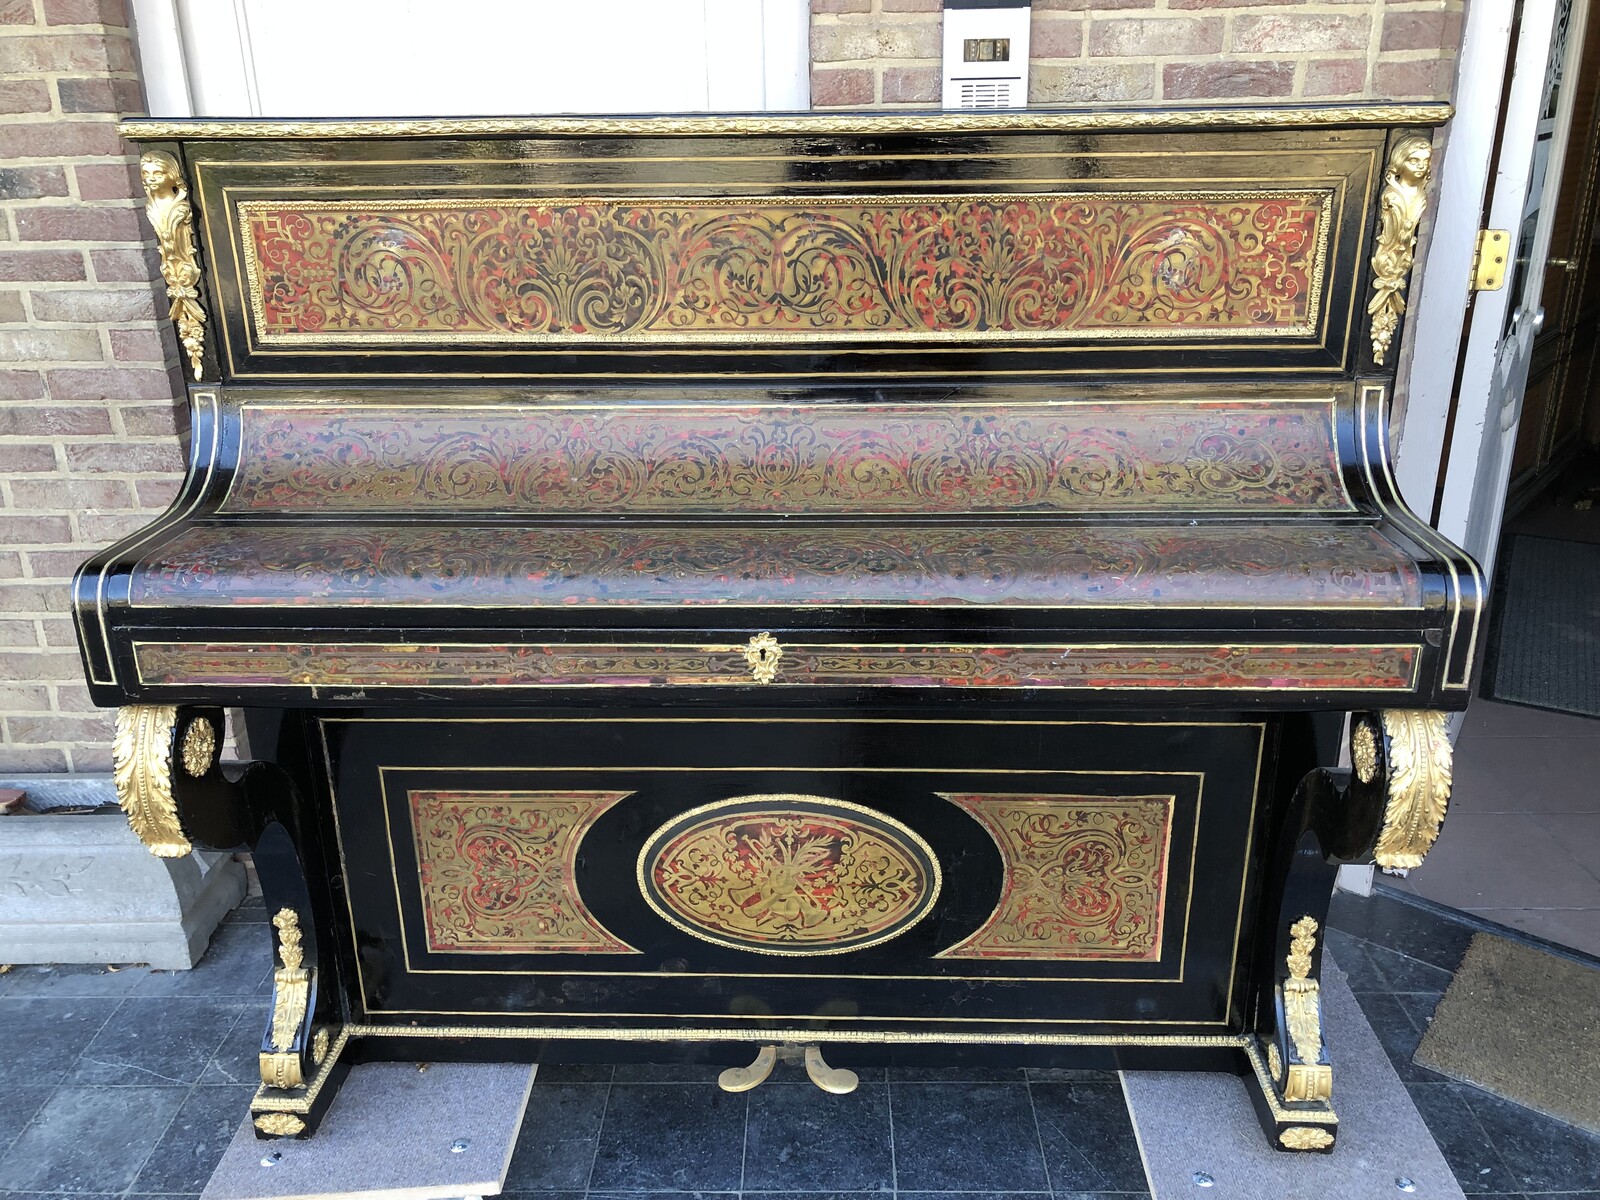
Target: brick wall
(886, 52)
(88, 450)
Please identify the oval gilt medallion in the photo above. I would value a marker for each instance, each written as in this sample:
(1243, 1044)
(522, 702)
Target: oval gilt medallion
(787, 874)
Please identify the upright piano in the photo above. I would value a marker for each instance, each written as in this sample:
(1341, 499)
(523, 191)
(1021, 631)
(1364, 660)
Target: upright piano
(888, 588)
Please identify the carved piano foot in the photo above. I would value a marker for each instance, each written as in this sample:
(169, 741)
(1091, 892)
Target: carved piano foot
(836, 1080)
(743, 1079)
(1294, 1082)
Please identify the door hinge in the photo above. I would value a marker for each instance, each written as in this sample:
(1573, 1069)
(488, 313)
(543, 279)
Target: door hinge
(1489, 260)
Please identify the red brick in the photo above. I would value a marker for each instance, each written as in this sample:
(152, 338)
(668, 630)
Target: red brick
(58, 632)
(50, 345)
(31, 529)
(1336, 77)
(53, 419)
(59, 139)
(34, 759)
(10, 564)
(108, 181)
(94, 306)
(1299, 33)
(156, 494)
(150, 420)
(21, 385)
(74, 698)
(906, 85)
(30, 183)
(17, 698)
(79, 224)
(11, 310)
(1055, 37)
(19, 631)
(1421, 31)
(138, 345)
(56, 565)
(52, 53)
(17, 12)
(70, 495)
(24, 96)
(124, 458)
(40, 266)
(109, 383)
(1192, 4)
(1086, 5)
(34, 596)
(125, 266)
(1219, 80)
(15, 459)
(29, 730)
(102, 528)
(841, 86)
(856, 43)
(1426, 79)
(1089, 82)
(1137, 37)
(841, 6)
(100, 95)
(85, 12)
(913, 6)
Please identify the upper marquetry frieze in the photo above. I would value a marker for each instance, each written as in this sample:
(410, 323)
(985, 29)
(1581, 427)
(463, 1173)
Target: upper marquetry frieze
(715, 459)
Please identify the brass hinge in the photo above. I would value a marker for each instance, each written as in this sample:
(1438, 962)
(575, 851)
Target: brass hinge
(1489, 260)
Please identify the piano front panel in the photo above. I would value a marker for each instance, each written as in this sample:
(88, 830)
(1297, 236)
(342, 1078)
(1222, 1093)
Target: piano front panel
(899, 256)
(824, 871)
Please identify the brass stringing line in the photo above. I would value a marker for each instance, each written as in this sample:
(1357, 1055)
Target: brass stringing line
(204, 403)
(805, 124)
(383, 790)
(1322, 200)
(1429, 538)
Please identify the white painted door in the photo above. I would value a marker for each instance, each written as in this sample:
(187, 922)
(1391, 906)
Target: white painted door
(396, 58)
(1502, 325)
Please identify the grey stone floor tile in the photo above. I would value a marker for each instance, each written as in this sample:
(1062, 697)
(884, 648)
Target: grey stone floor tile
(1088, 1136)
(957, 1074)
(972, 1195)
(571, 1073)
(43, 1041)
(679, 1137)
(1473, 1160)
(1403, 973)
(555, 1147)
(18, 1108)
(89, 1139)
(1576, 928)
(165, 1041)
(238, 1060)
(237, 963)
(1542, 1155)
(966, 1137)
(799, 1138)
(1394, 924)
(193, 1144)
(1397, 1034)
(1502, 861)
(665, 1073)
(747, 1194)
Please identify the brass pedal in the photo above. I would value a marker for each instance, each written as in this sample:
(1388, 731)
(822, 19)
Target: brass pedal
(742, 1079)
(830, 1079)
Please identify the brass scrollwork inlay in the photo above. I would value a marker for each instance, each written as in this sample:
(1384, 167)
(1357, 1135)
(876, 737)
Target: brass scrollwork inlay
(141, 767)
(1399, 210)
(291, 994)
(199, 743)
(1309, 1079)
(763, 655)
(1300, 1137)
(1419, 778)
(167, 206)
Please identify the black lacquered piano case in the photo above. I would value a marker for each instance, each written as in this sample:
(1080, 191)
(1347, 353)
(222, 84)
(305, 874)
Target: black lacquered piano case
(880, 588)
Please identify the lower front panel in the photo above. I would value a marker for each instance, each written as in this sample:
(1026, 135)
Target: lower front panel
(724, 877)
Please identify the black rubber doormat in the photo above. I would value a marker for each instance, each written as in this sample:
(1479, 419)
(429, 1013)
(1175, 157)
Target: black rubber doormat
(1523, 1024)
(1546, 648)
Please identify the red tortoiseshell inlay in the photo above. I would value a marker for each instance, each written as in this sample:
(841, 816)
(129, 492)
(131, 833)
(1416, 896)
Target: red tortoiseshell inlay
(1080, 457)
(496, 871)
(376, 665)
(1091, 264)
(1085, 877)
(1022, 564)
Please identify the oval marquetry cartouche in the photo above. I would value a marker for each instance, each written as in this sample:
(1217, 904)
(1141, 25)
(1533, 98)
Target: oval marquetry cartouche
(788, 874)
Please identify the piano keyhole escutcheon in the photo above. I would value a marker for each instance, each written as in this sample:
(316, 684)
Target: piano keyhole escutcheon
(763, 653)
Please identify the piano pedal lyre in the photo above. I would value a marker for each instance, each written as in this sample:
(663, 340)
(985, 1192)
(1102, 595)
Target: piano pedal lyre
(835, 1080)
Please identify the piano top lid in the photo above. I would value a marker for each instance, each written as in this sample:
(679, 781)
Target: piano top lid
(1076, 119)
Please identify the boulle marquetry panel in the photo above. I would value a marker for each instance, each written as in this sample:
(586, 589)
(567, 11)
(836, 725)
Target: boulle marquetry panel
(496, 871)
(956, 266)
(1275, 455)
(788, 874)
(1084, 876)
